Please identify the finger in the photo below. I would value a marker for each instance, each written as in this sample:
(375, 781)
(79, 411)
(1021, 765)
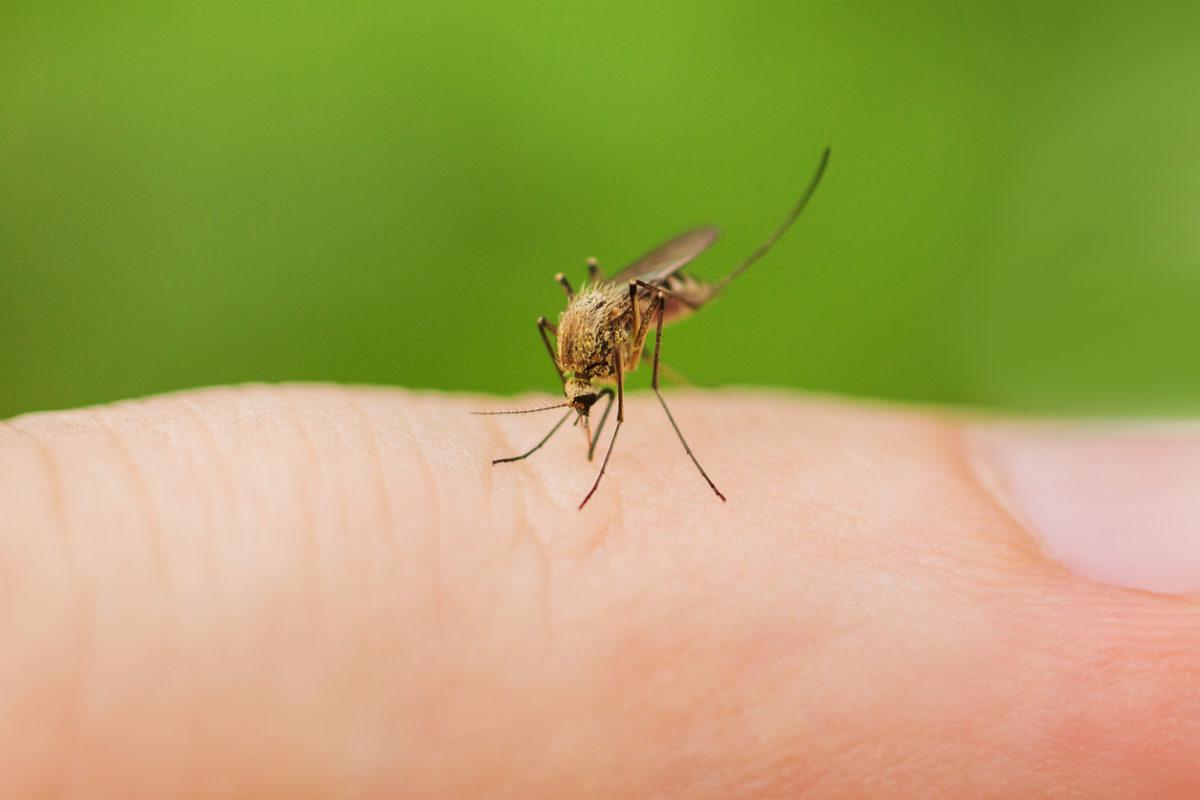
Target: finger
(273, 588)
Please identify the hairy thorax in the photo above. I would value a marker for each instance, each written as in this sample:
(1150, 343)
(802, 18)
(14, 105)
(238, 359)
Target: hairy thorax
(591, 331)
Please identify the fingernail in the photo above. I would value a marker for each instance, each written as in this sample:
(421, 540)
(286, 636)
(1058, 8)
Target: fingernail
(1118, 505)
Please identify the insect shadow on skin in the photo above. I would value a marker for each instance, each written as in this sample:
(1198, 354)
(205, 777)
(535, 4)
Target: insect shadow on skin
(602, 332)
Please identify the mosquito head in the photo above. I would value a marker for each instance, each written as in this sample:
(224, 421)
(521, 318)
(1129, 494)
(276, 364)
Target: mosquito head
(581, 395)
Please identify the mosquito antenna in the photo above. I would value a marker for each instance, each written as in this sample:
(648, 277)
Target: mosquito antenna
(765, 246)
(519, 411)
(536, 447)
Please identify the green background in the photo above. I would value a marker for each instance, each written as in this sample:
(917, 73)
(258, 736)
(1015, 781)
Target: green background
(382, 192)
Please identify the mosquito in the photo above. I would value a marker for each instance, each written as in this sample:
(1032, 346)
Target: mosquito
(602, 333)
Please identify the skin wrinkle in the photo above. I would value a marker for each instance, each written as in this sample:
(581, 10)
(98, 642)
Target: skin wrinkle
(434, 537)
(523, 529)
(221, 595)
(526, 533)
(390, 525)
(219, 579)
(220, 592)
(54, 485)
(224, 469)
(597, 536)
(1026, 547)
(62, 774)
(359, 546)
(312, 540)
(592, 529)
(156, 533)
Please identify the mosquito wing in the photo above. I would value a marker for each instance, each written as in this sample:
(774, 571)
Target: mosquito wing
(665, 260)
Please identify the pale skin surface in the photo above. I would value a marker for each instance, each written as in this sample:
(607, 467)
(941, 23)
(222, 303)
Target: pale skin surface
(324, 592)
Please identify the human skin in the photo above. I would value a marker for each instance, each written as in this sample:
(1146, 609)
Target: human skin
(317, 591)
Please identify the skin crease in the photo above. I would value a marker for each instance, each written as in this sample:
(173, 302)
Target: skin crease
(314, 591)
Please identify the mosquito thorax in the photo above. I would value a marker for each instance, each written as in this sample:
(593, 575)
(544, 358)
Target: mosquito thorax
(588, 339)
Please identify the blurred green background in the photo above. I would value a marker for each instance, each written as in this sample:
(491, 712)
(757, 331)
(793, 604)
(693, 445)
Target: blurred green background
(382, 192)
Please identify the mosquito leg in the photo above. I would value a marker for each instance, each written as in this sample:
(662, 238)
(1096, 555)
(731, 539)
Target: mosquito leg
(616, 430)
(667, 293)
(639, 338)
(536, 447)
(566, 284)
(635, 308)
(654, 384)
(765, 246)
(638, 344)
(595, 274)
(543, 328)
(592, 444)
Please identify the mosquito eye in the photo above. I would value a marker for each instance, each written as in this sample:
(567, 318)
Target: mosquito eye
(587, 400)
